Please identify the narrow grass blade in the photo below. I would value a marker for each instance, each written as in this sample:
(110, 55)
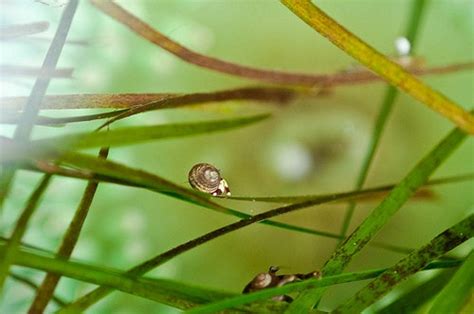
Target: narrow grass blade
(459, 289)
(163, 100)
(389, 99)
(99, 293)
(99, 171)
(25, 126)
(133, 135)
(20, 228)
(390, 71)
(270, 94)
(410, 301)
(46, 290)
(164, 291)
(293, 287)
(92, 168)
(13, 118)
(270, 76)
(359, 195)
(443, 243)
(137, 103)
(315, 200)
(59, 301)
(381, 215)
(109, 171)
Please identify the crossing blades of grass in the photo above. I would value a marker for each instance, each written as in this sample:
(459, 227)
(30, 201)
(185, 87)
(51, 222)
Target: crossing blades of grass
(94, 296)
(162, 100)
(381, 215)
(164, 291)
(92, 168)
(109, 171)
(378, 63)
(46, 290)
(385, 282)
(388, 101)
(20, 228)
(299, 286)
(271, 76)
(124, 101)
(27, 282)
(459, 289)
(27, 121)
(411, 300)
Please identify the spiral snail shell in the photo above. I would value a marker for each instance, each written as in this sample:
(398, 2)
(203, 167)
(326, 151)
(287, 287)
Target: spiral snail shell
(271, 279)
(207, 178)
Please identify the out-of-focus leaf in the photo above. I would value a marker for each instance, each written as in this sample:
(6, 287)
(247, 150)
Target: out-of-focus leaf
(418, 176)
(21, 226)
(386, 106)
(26, 123)
(377, 62)
(360, 195)
(414, 298)
(26, 281)
(459, 289)
(18, 30)
(297, 286)
(45, 291)
(164, 291)
(414, 262)
(133, 135)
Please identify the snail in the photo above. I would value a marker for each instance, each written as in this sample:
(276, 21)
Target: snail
(207, 178)
(271, 279)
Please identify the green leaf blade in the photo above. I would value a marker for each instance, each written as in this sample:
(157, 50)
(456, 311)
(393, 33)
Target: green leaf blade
(381, 215)
(459, 289)
(376, 61)
(411, 264)
(133, 135)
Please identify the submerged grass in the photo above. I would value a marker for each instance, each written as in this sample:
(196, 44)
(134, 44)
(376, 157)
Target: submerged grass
(368, 56)
(414, 262)
(299, 286)
(46, 290)
(460, 288)
(26, 281)
(56, 156)
(388, 101)
(410, 301)
(20, 229)
(381, 215)
(25, 125)
(177, 294)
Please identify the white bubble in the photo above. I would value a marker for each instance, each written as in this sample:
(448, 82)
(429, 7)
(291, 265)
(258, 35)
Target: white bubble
(292, 161)
(403, 46)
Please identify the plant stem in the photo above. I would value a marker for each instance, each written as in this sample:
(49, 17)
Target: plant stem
(391, 94)
(27, 121)
(368, 56)
(46, 289)
(20, 228)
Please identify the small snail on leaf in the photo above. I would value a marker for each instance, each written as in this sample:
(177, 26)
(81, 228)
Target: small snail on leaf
(207, 178)
(271, 279)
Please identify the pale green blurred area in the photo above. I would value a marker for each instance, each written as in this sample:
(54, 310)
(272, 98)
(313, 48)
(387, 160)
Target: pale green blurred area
(311, 146)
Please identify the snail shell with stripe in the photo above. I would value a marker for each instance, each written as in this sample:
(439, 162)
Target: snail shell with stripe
(207, 178)
(271, 279)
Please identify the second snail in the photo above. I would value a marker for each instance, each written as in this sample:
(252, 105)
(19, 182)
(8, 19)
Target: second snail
(206, 178)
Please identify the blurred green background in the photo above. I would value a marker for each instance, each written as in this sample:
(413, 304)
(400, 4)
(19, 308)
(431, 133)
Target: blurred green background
(313, 145)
